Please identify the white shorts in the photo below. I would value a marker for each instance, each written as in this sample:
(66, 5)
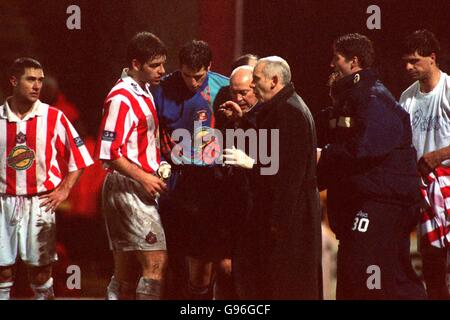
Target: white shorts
(26, 230)
(131, 216)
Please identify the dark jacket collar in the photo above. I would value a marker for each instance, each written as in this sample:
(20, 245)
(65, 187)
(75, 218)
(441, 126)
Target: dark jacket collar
(353, 83)
(270, 106)
(282, 95)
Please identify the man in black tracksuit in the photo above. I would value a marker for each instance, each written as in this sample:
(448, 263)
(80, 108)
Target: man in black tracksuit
(373, 187)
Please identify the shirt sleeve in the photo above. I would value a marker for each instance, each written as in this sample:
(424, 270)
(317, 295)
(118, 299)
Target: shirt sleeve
(116, 126)
(70, 146)
(378, 131)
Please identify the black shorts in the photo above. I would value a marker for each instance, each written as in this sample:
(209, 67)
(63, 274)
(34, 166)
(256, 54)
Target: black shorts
(195, 216)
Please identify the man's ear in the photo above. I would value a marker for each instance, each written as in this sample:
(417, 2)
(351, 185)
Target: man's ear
(354, 62)
(433, 57)
(209, 67)
(274, 81)
(13, 81)
(136, 65)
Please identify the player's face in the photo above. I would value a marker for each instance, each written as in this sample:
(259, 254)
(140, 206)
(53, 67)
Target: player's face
(341, 65)
(28, 87)
(152, 70)
(242, 93)
(261, 85)
(193, 78)
(418, 67)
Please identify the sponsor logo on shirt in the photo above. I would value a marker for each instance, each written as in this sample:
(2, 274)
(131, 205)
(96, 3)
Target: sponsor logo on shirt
(109, 136)
(21, 157)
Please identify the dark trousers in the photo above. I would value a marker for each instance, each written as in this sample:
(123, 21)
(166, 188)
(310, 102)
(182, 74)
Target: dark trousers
(373, 257)
(434, 261)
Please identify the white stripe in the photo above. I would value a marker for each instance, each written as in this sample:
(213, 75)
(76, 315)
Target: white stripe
(444, 181)
(3, 155)
(21, 175)
(41, 145)
(132, 148)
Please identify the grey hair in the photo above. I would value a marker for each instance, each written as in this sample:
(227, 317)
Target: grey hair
(275, 65)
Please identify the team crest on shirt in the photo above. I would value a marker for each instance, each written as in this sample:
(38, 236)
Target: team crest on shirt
(151, 238)
(21, 138)
(202, 115)
(21, 157)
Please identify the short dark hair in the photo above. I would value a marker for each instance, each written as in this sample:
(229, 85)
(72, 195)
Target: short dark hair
(195, 54)
(355, 44)
(19, 65)
(144, 46)
(244, 60)
(422, 41)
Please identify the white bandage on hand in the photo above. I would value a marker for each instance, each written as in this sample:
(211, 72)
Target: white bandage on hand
(238, 158)
(164, 171)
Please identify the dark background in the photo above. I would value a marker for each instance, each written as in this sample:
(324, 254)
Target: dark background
(87, 62)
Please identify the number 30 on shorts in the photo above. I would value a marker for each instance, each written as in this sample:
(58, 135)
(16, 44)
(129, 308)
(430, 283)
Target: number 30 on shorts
(360, 224)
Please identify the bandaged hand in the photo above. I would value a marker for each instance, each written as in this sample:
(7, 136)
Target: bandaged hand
(238, 158)
(164, 171)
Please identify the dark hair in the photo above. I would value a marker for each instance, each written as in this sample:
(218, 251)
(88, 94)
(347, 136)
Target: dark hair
(144, 46)
(195, 54)
(422, 41)
(19, 65)
(355, 44)
(243, 60)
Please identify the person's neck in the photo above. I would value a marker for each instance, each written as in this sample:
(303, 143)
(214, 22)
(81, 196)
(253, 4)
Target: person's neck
(430, 82)
(134, 76)
(20, 108)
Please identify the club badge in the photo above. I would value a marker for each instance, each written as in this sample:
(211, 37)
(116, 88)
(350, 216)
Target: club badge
(21, 138)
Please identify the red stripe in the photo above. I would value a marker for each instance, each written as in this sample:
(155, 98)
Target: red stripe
(11, 129)
(31, 143)
(156, 121)
(142, 129)
(98, 146)
(77, 156)
(436, 234)
(51, 124)
(119, 129)
(442, 171)
(445, 192)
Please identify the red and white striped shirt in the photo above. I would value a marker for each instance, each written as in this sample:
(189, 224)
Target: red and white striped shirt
(435, 223)
(129, 126)
(30, 149)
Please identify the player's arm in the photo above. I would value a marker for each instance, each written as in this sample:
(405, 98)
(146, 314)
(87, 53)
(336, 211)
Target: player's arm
(151, 183)
(55, 197)
(432, 160)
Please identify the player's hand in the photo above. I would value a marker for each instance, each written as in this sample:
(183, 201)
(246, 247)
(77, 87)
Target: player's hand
(164, 171)
(153, 185)
(231, 110)
(238, 158)
(429, 162)
(54, 198)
